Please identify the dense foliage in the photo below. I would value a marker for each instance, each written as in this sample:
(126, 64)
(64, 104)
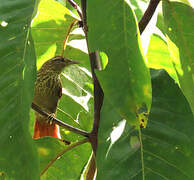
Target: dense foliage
(146, 124)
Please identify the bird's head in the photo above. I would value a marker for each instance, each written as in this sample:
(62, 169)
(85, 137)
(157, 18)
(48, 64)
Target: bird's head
(57, 64)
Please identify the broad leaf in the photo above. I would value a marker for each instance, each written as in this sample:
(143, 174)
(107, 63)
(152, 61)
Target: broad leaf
(57, 159)
(70, 165)
(48, 149)
(158, 56)
(125, 80)
(163, 150)
(18, 159)
(181, 44)
(49, 28)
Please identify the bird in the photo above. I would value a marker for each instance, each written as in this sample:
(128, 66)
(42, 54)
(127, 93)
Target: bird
(47, 92)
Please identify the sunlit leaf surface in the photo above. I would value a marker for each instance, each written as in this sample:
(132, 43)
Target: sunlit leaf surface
(178, 19)
(125, 80)
(18, 159)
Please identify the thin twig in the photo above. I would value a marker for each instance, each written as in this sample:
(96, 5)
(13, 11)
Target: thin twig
(70, 147)
(60, 123)
(148, 15)
(67, 37)
(75, 6)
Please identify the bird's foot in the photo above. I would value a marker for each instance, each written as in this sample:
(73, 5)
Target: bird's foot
(50, 118)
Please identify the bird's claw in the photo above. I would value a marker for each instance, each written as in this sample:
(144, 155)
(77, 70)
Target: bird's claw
(50, 118)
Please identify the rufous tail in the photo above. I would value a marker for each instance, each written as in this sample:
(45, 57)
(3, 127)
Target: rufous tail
(43, 128)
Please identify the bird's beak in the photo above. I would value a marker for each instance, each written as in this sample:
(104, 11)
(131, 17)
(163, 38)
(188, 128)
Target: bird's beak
(69, 61)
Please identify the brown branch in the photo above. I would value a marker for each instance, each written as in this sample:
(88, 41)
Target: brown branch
(70, 147)
(75, 6)
(148, 15)
(98, 100)
(60, 123)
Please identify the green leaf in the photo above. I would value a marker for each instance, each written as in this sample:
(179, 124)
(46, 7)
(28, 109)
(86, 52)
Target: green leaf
(56, 158)
(163, 150)
(49, 29)
(126, 79)
(181, 44)
(18, 159)
(77, 100)
(158, 56)
(48, 148)
(69, 165)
